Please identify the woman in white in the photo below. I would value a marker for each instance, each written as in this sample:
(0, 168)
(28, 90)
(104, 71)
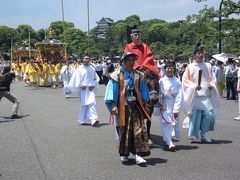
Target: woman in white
(170, 99)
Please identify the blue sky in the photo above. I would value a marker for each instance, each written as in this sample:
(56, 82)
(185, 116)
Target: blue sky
(40, 13)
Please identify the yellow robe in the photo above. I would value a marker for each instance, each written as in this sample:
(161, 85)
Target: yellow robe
(32, 70)
(51, 70)
(44, 74)
(17, 68)
(24, 66)
(57, 70)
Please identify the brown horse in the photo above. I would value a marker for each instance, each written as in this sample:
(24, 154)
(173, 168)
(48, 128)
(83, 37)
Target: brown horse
(152, 79)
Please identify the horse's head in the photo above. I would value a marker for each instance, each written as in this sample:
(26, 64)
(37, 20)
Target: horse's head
(153, 85)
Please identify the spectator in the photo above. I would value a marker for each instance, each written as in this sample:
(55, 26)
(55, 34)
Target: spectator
(219, 73)
(99, 71)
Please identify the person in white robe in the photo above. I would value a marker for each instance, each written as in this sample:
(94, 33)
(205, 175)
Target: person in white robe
(201, 97)
(66, 73)
(170, 100)
(238, 87)
(85, 82)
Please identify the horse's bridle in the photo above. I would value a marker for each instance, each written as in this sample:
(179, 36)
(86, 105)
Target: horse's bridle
(150, 104)
(153, 91)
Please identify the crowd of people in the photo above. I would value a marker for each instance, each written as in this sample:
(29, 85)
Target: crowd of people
(46, 73)
(195, 88)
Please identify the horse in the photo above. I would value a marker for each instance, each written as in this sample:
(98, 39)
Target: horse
(152, 79)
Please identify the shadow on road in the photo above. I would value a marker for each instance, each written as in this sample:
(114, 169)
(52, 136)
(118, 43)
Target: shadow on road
(102, 124)
(157, 141)
(10, 119)
(221, 142)
(180, 147)
(154, 161)
(150, 161)
(214, 142)
(185, 147)
(97, 126)
(72, 97)
(6, 121)
(130, 162)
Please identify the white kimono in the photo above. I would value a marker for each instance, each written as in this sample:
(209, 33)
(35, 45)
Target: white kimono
(66, 73)
(170, 90)
(85, 76)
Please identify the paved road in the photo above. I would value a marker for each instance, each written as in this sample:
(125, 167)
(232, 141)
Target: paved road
(48, 144)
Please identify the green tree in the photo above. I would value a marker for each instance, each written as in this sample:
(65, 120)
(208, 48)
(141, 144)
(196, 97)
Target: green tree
(145, 26)
(119, 37)
(157, 32)
(74, 38)
(228, 7)
(133, 20)
(24, 31)
(41, 34)
(8, 34)
(57, 28)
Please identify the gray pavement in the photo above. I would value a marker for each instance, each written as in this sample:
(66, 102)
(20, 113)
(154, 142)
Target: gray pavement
(48, 144)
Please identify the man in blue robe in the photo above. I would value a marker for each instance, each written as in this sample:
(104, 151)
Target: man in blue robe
(126, 96)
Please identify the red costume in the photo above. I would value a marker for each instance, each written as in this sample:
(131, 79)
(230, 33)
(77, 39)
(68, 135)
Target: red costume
(145, 56)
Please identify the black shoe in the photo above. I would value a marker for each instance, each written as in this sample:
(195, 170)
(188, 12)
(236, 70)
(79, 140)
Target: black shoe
(15, 116)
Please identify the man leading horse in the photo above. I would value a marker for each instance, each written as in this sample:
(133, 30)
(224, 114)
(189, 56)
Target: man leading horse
(147, 65)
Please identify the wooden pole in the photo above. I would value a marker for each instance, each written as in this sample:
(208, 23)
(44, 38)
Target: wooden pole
(220, 28)
(11, 49)
(29, 45)
(88, 26)
(64, 34)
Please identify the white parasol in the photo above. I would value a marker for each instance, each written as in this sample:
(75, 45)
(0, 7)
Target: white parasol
(223, 57)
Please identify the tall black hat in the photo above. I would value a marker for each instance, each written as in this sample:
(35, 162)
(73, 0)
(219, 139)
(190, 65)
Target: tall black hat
(198, 48)
(136, 31)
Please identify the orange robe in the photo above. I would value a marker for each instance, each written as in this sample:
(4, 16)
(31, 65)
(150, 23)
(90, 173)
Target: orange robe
(145, 56)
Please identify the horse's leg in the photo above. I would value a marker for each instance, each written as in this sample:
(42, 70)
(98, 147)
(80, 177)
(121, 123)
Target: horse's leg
(149, 126)
(148, 129)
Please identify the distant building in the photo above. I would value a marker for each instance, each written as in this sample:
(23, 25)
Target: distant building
(103, 36)
(104, 24)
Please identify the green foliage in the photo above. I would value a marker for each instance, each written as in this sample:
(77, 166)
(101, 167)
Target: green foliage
(228, 7)
(133, 20)
(157, 33)
(7, 35)
(74, 37)
(57, 28)
(24, 31)
(119, 37)
(41, 34)
(145, 27)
